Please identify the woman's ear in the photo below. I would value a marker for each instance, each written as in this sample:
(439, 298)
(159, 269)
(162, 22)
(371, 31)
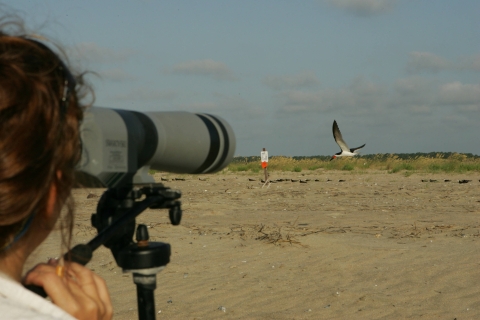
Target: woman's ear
(52, 198)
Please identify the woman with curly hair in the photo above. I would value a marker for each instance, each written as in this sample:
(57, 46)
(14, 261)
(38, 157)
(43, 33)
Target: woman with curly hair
(40, 114)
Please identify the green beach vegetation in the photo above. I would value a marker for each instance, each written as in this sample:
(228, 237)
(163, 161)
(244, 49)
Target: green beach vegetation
(392, 163)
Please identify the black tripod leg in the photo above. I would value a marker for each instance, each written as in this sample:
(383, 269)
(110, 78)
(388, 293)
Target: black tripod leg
(146, 285)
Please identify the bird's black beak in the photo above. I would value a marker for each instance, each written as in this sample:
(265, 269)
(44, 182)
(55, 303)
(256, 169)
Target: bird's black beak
(332, 158)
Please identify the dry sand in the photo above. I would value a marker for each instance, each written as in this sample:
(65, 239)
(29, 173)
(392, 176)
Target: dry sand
(375, 246)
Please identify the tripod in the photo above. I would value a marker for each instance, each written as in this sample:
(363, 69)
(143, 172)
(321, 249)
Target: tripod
(115, 222)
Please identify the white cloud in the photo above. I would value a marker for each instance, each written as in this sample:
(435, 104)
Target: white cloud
(421, 95)
(412, 95)
(94, 53)
(300, 80)
(411, 85)
(470, 108)
(415, 93)
(426, 62)
(208, 68)
(456, 93)
(295, 100)
(363, 7)
(359, 97)
(469, 63)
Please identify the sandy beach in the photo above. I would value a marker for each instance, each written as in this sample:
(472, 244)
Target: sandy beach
(338, 245)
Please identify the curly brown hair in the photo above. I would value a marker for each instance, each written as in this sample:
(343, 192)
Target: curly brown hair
(39, 133)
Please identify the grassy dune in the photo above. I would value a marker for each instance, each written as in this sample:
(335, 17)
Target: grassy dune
(392, 163)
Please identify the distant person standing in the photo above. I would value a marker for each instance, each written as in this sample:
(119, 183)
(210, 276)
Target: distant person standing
(40, 113)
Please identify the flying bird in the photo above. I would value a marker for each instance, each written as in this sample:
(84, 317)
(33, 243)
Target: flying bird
(346, 151)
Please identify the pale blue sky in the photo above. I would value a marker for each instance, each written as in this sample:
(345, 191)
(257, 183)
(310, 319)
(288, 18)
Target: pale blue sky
(401, 76)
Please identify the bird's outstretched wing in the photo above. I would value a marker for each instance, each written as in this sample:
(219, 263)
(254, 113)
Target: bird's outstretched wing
(353, 149)
(337, 135)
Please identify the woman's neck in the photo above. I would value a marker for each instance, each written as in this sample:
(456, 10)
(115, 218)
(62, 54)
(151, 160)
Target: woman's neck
(11, 264)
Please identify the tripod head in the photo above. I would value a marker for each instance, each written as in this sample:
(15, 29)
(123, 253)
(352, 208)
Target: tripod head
(119, 206)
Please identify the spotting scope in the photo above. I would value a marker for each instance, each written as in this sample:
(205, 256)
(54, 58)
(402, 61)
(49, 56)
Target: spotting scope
(119, 147)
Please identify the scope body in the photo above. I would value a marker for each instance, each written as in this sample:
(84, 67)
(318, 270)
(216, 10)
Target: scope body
(120, 146)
